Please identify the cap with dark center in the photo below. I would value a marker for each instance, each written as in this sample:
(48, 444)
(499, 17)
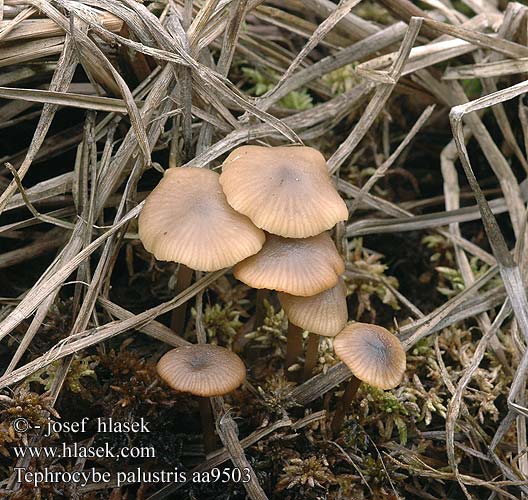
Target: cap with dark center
(284, 190)
(324, 314)
(303, 267)
(186, 219)
(202, 369)
(372, 353)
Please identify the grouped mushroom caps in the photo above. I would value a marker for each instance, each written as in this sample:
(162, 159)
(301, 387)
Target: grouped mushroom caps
(372, 353)
(208, 222)
(324, 314)
(202, 369)
(298, 266)
(284, 190)
(187, 219)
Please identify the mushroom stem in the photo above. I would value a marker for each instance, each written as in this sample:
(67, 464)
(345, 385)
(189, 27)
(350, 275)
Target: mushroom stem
(260, 311)
(339, 415)
(184, 279)
(206, 417)
(312, 353)
(293, 347)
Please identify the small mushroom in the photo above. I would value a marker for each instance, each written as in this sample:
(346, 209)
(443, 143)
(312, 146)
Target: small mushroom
(374, 355)
(204, 370)
(301, 267)
(323, 314)
(285, 190)
(187, 219)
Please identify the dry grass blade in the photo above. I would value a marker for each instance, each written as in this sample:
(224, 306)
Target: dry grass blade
(382, 169)
(380, 97)
(87, 338)
(9, 26)
(39, 293)
(228, 432)
(357, 51)
(421, 222)
(487, 70)
(94, 103)
(60, 82)
(509, 270)
(154, 329)
(510, 49)
(44, 28)
(344, 7)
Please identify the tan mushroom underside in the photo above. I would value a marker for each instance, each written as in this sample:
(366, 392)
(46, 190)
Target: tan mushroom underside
(202, 369)
(372, 353)
(284, 190)
(187, 219)
(302, 267)
(324, 314)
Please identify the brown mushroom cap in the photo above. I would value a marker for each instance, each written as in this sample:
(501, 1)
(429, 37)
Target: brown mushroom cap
(202, 369)
(372, 353)
(186, 219)
(302, 267)
(284, 190)
(324, 314)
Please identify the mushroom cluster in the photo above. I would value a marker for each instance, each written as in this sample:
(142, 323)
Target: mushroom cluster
(267, 214)
(288, 192)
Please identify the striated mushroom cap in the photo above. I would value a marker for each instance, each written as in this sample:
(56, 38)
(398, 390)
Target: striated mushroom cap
(286, 191)
(202, 369)
(186, 219)
(302, 267)
(324, 314)
(373, 354)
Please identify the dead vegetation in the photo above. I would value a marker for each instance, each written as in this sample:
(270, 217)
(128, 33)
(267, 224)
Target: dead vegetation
(419, 109)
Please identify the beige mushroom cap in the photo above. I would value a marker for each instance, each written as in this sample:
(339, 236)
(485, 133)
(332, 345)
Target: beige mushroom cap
(303, 267)
(284, 190)
(324, 314)
(202, 369)
(186, 219)
(372, 353)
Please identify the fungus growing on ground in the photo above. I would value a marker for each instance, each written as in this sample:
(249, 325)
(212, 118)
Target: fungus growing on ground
(187, 219)
(374, 355)
(204, 370)
(300, 266)
(323, 314)
(285, 190)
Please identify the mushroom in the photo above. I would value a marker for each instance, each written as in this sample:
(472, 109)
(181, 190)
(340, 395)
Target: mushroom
(285, 190)
(187, 219)
(204, 370)
(301, 267)
(324, 314)
(374, 355)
